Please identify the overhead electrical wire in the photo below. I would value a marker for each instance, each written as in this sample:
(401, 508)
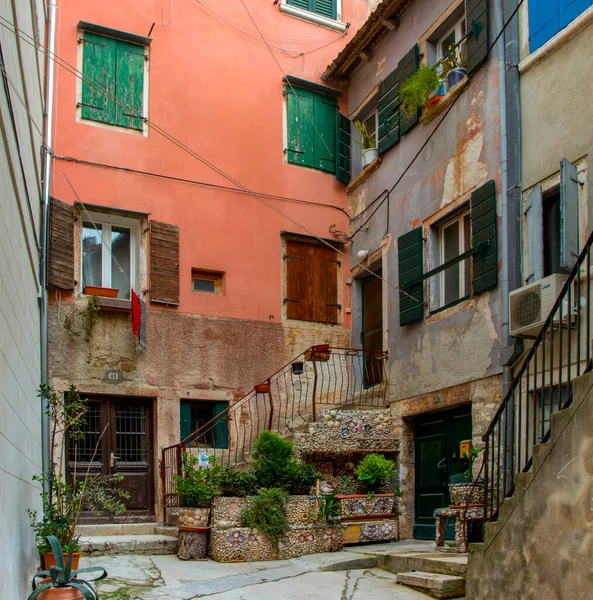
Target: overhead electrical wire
(72, 70)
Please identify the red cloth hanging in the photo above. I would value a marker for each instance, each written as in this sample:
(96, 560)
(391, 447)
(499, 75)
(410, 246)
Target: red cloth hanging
(136, 314)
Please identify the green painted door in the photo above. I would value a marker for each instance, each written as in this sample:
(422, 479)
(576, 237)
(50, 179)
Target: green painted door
(437, 458)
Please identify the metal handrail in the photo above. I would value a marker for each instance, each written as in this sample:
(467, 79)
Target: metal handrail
(541, 386)
(324, 377)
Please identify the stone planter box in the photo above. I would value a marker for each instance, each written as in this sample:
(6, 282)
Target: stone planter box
(241, 544)
(370, 530)
(360, 505)
(461, 492)
(193, 517)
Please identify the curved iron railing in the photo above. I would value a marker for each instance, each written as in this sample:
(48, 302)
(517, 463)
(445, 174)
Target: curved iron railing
(542, 386)
(319, 378)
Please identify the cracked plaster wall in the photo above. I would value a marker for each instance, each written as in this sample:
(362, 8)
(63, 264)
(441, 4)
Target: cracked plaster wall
(460, 344)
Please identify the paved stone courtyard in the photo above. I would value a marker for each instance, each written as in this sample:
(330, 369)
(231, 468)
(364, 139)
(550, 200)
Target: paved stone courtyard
(346, 575)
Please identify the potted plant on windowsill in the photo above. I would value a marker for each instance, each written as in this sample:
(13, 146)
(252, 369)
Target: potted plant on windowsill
(102, 292)
(453, 66)
(367, 143)
(416, 91)
(463, 489)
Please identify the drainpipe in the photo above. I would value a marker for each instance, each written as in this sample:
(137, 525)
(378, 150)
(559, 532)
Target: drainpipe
(508, 56)
(49, 98)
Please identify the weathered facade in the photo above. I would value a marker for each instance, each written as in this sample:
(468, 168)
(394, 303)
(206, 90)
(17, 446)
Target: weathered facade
(433, 193)
(22, 72)
(194, 170)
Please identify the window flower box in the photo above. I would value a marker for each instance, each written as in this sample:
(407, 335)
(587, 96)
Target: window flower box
(103, 292)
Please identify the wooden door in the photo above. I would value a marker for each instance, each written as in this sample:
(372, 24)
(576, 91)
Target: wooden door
(437, 458)
(118, 439)
(372, 328)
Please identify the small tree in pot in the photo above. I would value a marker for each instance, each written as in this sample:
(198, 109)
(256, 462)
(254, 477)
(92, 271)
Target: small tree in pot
(367, 143)
(373, 471)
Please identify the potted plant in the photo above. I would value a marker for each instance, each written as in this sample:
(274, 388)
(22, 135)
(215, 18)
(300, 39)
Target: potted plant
(463, 489)
(417, 89)
(64, 500)
(453, 66)
(61, 581)
(262, 388)
(104, 292)
(367, 143)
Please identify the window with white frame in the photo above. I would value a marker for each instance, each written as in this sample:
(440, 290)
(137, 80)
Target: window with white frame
(369, 118)
(449, 46)
(109, 252)
(454, 238)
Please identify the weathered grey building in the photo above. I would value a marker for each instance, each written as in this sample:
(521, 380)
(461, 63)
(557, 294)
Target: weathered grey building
(436, 191)
(22, 105)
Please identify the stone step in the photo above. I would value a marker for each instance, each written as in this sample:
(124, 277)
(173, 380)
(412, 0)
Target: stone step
(453, 564)
(98, 545)
(436, 585)
(126, 529)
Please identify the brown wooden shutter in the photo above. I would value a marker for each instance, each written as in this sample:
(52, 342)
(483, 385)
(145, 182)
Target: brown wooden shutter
(164, 263)
(311, 282)
(60, 268)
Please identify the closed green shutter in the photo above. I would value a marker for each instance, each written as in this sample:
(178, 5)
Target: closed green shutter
(184, 420)
(324, 132)
(534, 223)
(408, 65)
(476, 23)
(221, 426)
(393, 123)
(326, 8)
(129, 85)
(569, 215)
(343, 149)
(483, 214)
(98, 85)
(410, 258)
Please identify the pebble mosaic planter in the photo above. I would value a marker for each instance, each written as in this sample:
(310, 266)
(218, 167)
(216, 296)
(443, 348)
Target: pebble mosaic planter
(241, 544)
(462, 494)
(193, 517)
(358, 505)
(380, 530)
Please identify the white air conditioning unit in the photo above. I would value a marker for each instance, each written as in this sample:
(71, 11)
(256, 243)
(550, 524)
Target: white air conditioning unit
(531, 305)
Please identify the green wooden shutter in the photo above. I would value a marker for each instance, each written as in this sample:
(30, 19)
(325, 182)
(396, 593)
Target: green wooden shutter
(408, 65)
(324, 132)
(184, 419)
(325, 8)
(129, 85)
(304, 4)
(410, 257)
(569, 215)
(476, 23)
(300, 114)
(534, 222)
(483, 214)
(388, 107)
(221, 426)
(98, 66)
(343, 144)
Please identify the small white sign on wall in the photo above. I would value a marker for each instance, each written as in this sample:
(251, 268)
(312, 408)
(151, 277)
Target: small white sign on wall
(203, 459)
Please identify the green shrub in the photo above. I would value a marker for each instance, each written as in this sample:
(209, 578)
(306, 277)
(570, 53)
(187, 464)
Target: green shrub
(299, 478)
(237, 482)
(272, 457)
(267, 514)
(373, 470)
(197, 486)
(415, 91)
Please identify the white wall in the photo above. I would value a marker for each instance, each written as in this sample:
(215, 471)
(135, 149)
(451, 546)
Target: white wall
(20, 193)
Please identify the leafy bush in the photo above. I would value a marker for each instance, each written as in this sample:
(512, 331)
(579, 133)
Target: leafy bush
(267, 514)
(373, 470)
(299, 478)
(237, 482)
(328, 509)
(416, 89)
(197, 486)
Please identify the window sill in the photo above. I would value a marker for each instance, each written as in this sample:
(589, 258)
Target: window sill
(115, 305)
(311, 17)
(556, 42)
(364, 174)
(431, 112)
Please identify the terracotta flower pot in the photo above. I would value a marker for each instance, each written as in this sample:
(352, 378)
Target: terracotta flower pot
(101, 291)
(434, 100)
(50, 561)
(61, 593)
(262, 388)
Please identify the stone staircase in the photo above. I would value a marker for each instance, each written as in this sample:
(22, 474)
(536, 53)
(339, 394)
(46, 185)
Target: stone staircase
(129, 538)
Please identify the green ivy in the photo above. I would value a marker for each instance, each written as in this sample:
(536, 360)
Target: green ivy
(267, 514)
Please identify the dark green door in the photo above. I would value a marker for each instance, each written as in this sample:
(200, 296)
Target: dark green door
(437, 458)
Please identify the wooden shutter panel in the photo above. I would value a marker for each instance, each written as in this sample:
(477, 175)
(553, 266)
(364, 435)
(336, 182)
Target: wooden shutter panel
(326, 8)
(129, 85)
(410, 258)
(164, 263)
(221, 426)
(304, 4)
(388, 107)
(324, 132)
(324, 286)
(295, 259)
(300, 114)
(343, 145)
(544, 21)
(60, 268)
(483, 214)
(408, 65)
(534, 222)
(98, 66)
(476, 23)
(184, 420)
(569, 215)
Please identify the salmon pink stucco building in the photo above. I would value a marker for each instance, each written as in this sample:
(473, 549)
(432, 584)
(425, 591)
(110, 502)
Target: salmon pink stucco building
(198, 159)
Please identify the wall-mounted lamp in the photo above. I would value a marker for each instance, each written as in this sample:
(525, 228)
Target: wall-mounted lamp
(362, 254)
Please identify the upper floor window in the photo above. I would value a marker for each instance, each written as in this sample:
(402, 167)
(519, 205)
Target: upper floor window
(109, 250)
(546, 19)
(325, 8)
(114, 81)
